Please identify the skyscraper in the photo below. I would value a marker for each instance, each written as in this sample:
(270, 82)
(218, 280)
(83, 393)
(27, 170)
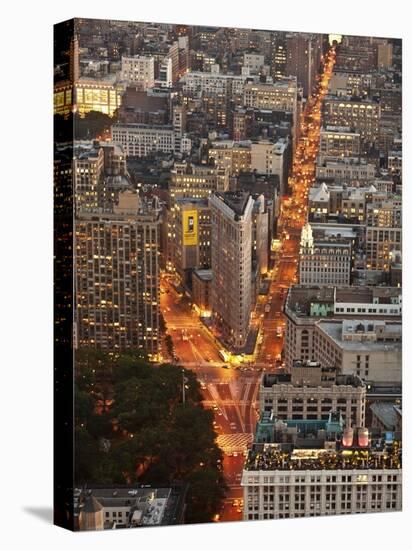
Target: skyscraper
(117, 276)
(303, 59)
(231, 232)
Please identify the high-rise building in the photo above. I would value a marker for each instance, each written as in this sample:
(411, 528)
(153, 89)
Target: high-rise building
(173, 55)
(141, 140)
(100, 173)
(231, 231)
(228, 85)
(260, 236)
(302, 395)
(87, 95)
(363, 116)
(74, 60)
(277, 96)
(179, 128)
(117, 276)
(165, 77)
(216, 109)
(88, 166)
(329, 201)
(278, 55)
(190, 238)
(302, 468)
(63, 252)
(281, 95)
(303, 55)
(305, 306)
(202, 291)
(385, 55)
(371, 349)
(270, 158)
(383, 232)
(151, 107)
(197, 181)
(231, 154)
(253, 61)
(138, 71)
(355, 83)
(357, 53)
(345, 170)
(339, 141)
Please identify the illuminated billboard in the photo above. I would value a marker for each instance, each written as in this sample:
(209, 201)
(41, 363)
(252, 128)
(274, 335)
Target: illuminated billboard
(190, 227)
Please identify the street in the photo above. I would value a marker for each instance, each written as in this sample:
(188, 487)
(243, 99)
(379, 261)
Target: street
(231, 390)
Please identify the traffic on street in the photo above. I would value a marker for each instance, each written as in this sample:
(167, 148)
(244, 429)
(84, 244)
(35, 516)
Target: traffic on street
(231, 387)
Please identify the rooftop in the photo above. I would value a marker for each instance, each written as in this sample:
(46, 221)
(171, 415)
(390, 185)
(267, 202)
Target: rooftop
(300, 298)
(230, 144)
(355, 335)
(270, 379)
(155, 506)
(345, 230)
(236, 200)
(271, 458)
(204, 274)
(388, 413)
(189, 200)
(350, 99)
(340, 129)
(140, 126)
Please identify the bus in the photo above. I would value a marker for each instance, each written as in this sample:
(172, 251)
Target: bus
(223, 355)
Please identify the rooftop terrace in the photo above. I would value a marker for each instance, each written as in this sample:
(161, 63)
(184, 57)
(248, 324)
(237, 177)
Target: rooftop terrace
(271, 458)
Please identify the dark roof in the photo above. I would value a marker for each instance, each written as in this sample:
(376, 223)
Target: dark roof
(236, 200)
(92, 505)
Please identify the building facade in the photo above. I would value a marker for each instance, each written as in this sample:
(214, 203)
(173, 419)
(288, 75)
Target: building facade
(291, 397)
(141, 140)
(303, 468)
(278, 96)
(117, 277)
(197, 181)
(305, 306)
(276, 494)
(383, 232)
(370, 349)
(231, 231)
(236, 156)
(339, 141)
(324, 261)
(190, 240)
(139, 71)
(362, 116)
(345, 170)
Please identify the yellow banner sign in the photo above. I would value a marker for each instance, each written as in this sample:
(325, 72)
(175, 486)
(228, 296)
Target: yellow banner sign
(190, 227)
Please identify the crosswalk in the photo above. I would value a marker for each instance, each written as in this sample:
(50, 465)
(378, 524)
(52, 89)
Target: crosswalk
(234, 443)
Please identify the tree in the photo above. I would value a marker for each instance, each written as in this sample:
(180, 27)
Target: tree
(153, 436)
(169, 345)
(207, 488)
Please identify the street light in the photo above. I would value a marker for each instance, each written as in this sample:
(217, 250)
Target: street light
(184, 387)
